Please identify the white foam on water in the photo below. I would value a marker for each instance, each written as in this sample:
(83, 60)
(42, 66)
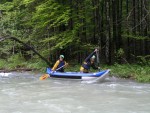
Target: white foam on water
(27, 94)
(5, 74)
(112, 85)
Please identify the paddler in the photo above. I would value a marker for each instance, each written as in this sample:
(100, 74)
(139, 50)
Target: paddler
(89, 62)
(60, 64)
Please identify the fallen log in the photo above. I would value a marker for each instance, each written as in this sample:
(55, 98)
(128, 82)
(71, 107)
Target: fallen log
(26, 45)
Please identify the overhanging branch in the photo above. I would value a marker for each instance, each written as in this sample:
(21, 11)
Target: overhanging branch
(26, 45)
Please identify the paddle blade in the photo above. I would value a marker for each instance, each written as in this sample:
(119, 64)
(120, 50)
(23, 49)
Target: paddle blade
(43, 77)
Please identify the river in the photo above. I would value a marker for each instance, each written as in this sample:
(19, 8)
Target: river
(25, 93)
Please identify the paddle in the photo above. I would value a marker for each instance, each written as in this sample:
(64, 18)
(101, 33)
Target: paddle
(45, 76)
(97, 55)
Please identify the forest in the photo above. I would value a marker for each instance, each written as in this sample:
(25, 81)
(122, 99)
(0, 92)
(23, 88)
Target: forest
(120, 29)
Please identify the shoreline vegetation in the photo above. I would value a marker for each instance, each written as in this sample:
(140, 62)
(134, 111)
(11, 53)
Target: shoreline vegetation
(139, 73)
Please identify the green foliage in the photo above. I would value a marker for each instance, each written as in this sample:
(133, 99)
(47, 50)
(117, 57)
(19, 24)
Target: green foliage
(143, 74)
(120, 53)
(72, 68)
(6, 6)
(36, 64)
(136, 72)
(144, 60)
(15, 61)
(50, 14)
(123, 71)
(2, 63)
(137, 37)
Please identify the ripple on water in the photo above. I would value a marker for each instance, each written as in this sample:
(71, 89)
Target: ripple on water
(25, 93)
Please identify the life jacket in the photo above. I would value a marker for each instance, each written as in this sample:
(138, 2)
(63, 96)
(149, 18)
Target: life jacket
(61, 63)
(86, 65)
(82, 69)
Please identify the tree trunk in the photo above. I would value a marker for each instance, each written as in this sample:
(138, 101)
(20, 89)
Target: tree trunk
(107, 49)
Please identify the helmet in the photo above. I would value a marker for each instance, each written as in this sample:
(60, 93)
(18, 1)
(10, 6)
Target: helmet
(93, 57)
(61, 56)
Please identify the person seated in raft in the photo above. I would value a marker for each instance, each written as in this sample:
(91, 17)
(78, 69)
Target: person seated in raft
(89, 62)
(60, 63)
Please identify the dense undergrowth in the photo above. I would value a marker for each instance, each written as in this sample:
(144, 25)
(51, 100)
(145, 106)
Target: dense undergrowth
(17, 61)
(132, 71)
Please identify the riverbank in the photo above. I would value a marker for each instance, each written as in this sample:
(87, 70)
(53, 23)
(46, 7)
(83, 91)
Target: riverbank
(131, 71)
(127, 71)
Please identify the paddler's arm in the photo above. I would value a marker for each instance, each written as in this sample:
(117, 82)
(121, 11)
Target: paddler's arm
(66, 64)
(88, 58)
(94, 66)
(55, 66)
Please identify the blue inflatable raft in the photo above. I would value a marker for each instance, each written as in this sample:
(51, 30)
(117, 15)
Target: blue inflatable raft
(98, 76)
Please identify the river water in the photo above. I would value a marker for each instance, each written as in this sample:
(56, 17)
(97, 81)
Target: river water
(25, 93)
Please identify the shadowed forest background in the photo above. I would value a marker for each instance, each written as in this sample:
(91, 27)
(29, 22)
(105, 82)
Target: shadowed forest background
(120, 29)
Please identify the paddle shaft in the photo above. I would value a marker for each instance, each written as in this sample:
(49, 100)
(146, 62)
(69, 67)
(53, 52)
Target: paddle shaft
(45, 76)
(59, 68)
(97, 55)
